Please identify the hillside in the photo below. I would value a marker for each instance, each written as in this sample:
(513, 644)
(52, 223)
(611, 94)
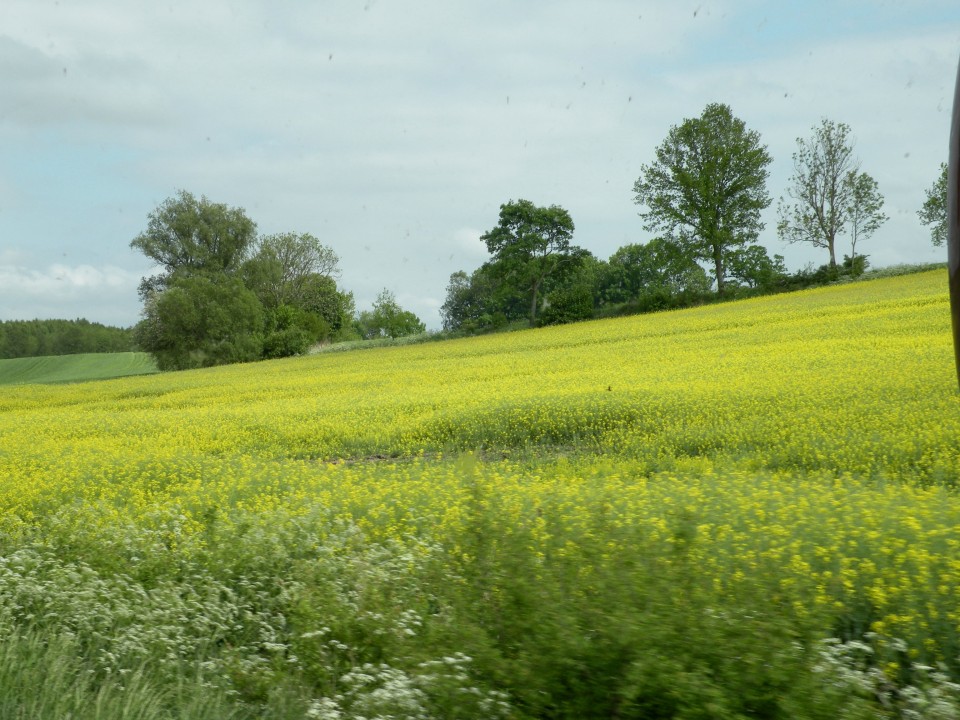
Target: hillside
(740, 510)
(74, 368)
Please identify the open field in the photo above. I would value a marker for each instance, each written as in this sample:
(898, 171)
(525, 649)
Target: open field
(743, 510)
(74, 368)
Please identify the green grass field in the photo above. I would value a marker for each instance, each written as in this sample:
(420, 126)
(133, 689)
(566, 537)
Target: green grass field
(74, 368)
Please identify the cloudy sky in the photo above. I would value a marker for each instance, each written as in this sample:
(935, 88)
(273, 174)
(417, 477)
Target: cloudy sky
(394, 129)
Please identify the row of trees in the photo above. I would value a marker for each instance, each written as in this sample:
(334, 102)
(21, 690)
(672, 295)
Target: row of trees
(30, 338)
(225, 294)
(702, 196)
(546, 282)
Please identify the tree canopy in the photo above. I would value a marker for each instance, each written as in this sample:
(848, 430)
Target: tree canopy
(226, 295)
(658, 266)
(934, 209)
(189, 235)
(528, 245)
(828, 192)
(707, 187)
(32, 338)
(201, 320)
(283, 264)
(865, 209)
(388, 319)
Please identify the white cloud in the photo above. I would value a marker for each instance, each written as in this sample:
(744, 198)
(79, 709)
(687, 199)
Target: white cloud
(107, 294)
(393, 130)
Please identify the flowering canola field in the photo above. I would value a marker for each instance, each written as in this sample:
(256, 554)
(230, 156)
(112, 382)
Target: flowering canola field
(802, 448)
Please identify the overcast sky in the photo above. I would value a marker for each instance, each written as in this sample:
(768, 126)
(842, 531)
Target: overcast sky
(394, 129)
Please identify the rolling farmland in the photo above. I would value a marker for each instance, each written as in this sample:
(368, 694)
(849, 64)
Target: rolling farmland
(742, 510)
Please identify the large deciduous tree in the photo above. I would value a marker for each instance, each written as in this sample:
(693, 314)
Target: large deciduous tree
(281, 269)
(186, 235)
(529, 244)
(707, 187)
(827, 192)
(934, 210)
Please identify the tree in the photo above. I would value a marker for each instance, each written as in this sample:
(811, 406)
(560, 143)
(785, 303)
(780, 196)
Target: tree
(455, 310)
(529, 244)
(480, 301)
(570, 295)
(753, 267)
(707, 187)
(283, 266)
(659, 266)
(821, 193)
(320, 296)
(934, 210)
(864, 210)
(201, 320)
(388, 319)
(185, 235)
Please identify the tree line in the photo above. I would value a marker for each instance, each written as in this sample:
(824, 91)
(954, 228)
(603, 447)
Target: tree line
(226, 294)
(32, 338)
(702, 197)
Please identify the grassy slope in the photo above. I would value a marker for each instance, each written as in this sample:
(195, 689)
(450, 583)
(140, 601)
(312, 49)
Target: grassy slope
(74, 368)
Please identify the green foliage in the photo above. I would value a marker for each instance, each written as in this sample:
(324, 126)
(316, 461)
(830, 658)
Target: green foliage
(828, 193)
(571, 303)
(388, 319)
(285, 266)
(855, 266)
(528, 245)
(457, 309)
(186, 235)
(934, 209)
(292, 331)
(320, 296)
(199, 321)
(227, 296)
(660, 267)
(755, 269)
(571, 293)
(35, 338)
(865, 209)
(481, 301)
(44, 676)
(707, 187)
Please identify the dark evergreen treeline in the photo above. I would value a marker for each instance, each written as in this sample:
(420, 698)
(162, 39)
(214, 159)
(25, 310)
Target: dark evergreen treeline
(33, 338)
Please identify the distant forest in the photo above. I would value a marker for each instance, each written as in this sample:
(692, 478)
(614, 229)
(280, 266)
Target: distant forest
(33, 338)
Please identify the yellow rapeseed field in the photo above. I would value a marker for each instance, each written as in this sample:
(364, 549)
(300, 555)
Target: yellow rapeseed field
(809, 442)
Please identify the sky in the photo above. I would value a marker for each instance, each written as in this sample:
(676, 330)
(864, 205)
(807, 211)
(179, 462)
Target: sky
(393, 130)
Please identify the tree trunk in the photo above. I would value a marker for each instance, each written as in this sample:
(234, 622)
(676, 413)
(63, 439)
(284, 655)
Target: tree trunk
(718, 268)
(533, 303)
